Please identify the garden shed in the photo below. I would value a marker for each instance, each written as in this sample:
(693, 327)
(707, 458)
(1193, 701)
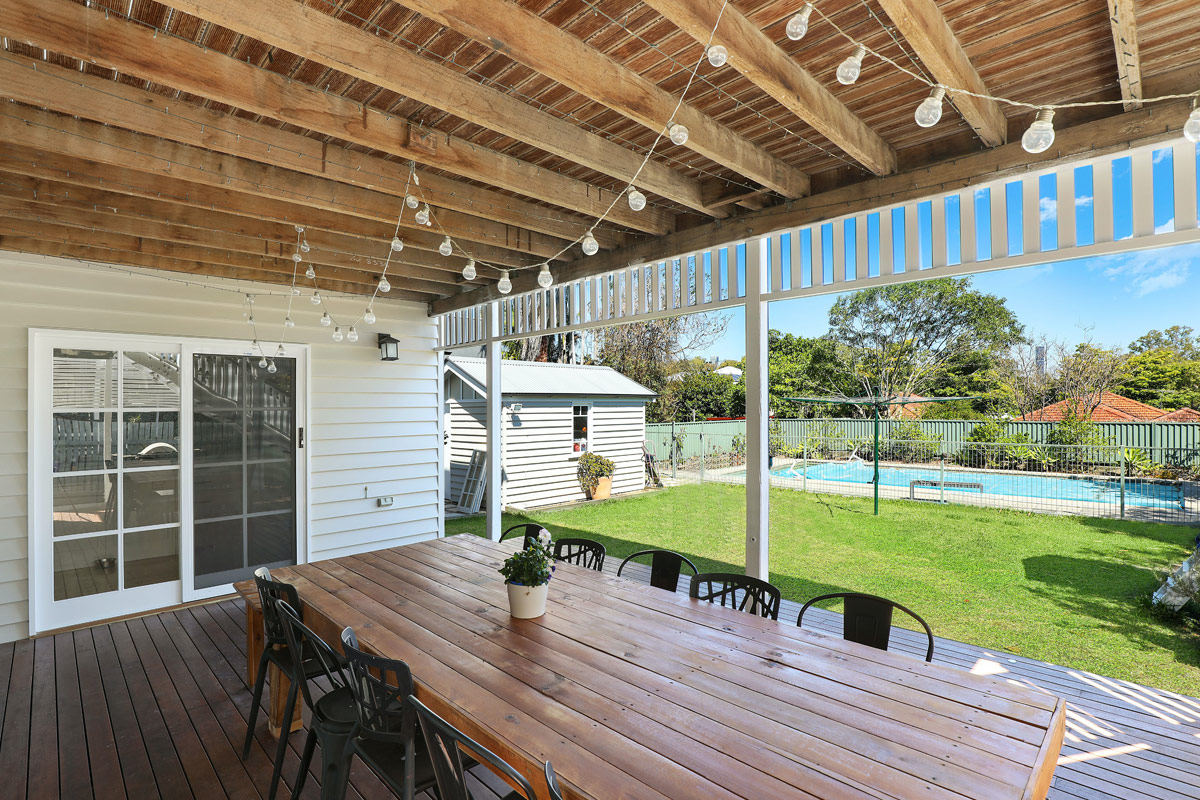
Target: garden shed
(552, 415)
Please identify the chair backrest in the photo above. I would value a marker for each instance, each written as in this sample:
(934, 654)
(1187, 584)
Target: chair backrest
(445, 744)
(379, 686)
(583, 552)
(552, 783)
(665, 566)
(301, 640)
(269, 592)
(867, 619)
(737, 591)
(530, 530)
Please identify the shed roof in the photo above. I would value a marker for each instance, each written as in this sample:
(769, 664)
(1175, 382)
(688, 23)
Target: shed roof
(542, 378)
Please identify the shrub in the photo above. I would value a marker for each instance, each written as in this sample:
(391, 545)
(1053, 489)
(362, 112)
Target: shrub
(591, 469)
(529, 567)
(908, 441)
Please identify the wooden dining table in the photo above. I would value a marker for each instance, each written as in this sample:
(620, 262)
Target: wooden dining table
(638, 693)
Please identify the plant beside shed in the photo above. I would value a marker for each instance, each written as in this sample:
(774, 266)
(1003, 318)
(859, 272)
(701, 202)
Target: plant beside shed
(595, 476)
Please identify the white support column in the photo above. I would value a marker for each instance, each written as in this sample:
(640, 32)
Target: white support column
(495, 421)
(757, 414)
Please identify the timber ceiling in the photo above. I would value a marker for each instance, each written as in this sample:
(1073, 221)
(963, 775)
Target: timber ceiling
(194, 138)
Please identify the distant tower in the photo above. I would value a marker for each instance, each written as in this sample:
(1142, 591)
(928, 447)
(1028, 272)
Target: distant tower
(1039, 359)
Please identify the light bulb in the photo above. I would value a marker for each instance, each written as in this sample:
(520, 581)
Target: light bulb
(271, 368)
(262, 363)
(504, 285)
(326, 320)
(545, 279)
(250, 319)
(678, 133)
(369, 316)
(288, 323)
(304, 248)
(397, 245)
(849, 70)
(385, 286)
(411, 201)
(279, 351)
(590, 245)
(717, 55)
(469, 270)
(930, 110)
(299, 229)
(446, 247)
(310, 273)
(337, 334)
(315, 299)
(296, 257)
(797, 26)
(1040, 135)
(1191, 128)
(352, 335)
(637, 200)
(295, 291)
(422, 216)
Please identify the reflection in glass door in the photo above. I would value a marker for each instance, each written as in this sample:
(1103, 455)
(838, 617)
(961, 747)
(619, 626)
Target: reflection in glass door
(244, 452)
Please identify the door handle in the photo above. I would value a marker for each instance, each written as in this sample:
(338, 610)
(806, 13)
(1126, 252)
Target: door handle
(300, 439)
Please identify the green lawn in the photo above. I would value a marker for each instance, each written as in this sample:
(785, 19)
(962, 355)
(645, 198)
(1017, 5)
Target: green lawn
(1069, 590)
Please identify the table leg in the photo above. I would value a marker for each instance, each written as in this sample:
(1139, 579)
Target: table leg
(278, 682)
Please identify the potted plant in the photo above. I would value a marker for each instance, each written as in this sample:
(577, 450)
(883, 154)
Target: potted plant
(527, 576)
(595, 476)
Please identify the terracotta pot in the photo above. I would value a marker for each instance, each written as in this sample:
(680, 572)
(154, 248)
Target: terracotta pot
(527, 602)
(602, 491)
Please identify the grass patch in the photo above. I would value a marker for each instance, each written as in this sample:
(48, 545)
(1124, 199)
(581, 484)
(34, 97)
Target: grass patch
(1069, 590)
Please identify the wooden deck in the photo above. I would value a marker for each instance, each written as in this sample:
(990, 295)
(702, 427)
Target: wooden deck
(157, 707)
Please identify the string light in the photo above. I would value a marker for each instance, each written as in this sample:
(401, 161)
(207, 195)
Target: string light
(337, 334)
(385, 285)
(315, 299)
(468, 271)
(262, 362)
(545, 279)
(717, 55)
(297, 257)
(1040, 135)
(295, 291)
(1191, 128)
(504, 285)
(271, 368)
(352, 335)
(326, 320)
(851, 68)
(797, 26)
(678, 133)
(280, 352)
(369, 316)
(930, 110)
(310, 273)
(411, 201)
(590, 245)
(397, 244)
(637, 200)
(446, 247)
(288, 322)
(422, 216)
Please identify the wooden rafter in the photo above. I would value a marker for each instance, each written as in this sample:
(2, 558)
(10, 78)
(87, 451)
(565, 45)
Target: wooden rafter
(90, 35)
(927, 32)
(1122, 17)
(312, 34)
(543, 46)
(753, 54)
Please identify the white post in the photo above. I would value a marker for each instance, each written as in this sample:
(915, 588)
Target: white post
(495, 421)
(757, 413)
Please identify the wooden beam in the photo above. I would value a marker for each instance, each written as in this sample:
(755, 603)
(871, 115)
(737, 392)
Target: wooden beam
(756, 56)
(93, 36)
(1122, 17)
(110, 145)
(338, 230)
(1150, 124)
(927, 32)
(543, 46)
(312, 34)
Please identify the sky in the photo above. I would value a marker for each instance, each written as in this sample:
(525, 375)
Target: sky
(1110, 299)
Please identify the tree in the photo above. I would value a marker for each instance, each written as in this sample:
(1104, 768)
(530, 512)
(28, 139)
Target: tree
(895, 340)
(1023, 376)
(558, 348)
(1179, 339)
(1162, 378)
(1085, 374)
(701, 393)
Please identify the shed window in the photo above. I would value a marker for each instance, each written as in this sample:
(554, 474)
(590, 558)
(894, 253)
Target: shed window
(581, 418)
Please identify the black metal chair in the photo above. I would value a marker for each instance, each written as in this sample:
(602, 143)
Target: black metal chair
(277, 651)
(665, 566)
(333, 717)
(380, 686)
(737, 591)
(581, 552)
(552, 783)
(867, 619)
(446, 745)
(530, 530)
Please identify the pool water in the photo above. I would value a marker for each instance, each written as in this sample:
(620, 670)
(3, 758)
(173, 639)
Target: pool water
(1082, 489)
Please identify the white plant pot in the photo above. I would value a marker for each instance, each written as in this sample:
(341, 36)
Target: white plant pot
(527, 602)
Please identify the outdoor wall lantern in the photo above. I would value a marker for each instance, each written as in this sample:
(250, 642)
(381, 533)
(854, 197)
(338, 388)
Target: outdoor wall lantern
(389, 347)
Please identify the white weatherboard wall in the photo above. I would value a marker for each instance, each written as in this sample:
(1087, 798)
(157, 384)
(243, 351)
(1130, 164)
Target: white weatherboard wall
(372, 424)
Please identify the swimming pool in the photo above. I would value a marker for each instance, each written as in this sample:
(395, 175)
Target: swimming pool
(1084, 489)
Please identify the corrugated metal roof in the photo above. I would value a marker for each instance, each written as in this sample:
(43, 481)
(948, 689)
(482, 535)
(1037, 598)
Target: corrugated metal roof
(535, 377)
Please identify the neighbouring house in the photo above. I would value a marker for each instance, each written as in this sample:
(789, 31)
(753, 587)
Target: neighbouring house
(1114, 408)
(731, 371)
(552, 414)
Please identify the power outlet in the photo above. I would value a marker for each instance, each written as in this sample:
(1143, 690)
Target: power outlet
(384, 502)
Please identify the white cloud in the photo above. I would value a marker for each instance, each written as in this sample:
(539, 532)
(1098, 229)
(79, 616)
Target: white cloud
(1047, 210)
(1169, 279)
(1161, 155)
(1083, 202)
(1165, 227)
(1149, 271)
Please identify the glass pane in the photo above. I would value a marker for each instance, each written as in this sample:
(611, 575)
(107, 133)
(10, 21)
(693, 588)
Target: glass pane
(218, 381)
(84, 504)
(269, 435)
(84, 378)
(217, 436)
(85, 441)
(272, 539)
(151, 497)
(272, 486)
(151, 438)
(269, 390)
(85, 566)
(151, 557)
(218, 549)
(151, 380)
(217, 491)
